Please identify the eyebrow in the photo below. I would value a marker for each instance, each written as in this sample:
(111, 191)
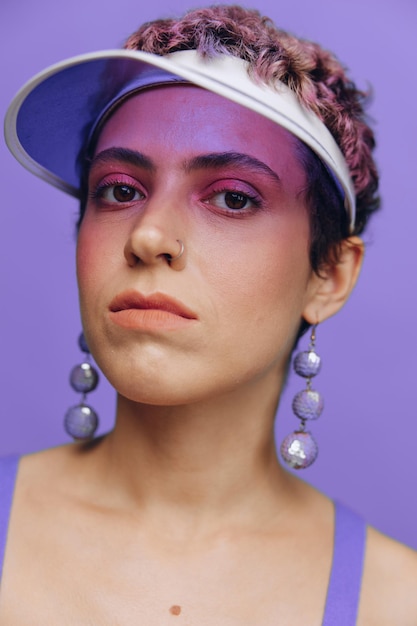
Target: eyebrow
(123, 155)
(217, 160)
(212, 160)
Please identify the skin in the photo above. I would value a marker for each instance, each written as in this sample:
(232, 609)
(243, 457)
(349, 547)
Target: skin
(223, 250)
(199, 521)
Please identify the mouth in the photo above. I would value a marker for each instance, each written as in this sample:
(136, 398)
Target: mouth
(132, 309)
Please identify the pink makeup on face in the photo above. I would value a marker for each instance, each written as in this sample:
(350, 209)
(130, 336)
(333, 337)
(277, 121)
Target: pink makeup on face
(178, 163)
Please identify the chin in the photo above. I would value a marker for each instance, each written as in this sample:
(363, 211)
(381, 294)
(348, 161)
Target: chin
(156, 390)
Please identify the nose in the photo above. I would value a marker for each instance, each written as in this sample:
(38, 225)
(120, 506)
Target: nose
(155, 238)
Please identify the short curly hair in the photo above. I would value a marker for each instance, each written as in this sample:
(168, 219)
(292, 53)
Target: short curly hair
(320, 83)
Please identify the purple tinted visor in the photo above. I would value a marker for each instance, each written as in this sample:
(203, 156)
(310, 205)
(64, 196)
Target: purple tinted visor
(52, 120)
(77, 98)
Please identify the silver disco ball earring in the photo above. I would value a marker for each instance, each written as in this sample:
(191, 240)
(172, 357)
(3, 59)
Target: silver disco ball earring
(81, 420)
(299, 449)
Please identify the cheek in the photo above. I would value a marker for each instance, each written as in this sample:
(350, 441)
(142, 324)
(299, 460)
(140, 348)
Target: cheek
(83, 253)
(95, 256)
(265, 272)
(260, 284)
(86, 259)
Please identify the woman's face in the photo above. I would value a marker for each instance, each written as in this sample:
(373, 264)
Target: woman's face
(179, 163)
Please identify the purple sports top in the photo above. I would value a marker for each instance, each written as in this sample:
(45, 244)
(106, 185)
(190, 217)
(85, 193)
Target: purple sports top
(348, 552)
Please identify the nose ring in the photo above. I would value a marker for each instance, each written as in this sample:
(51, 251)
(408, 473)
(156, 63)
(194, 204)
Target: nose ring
(180, 253)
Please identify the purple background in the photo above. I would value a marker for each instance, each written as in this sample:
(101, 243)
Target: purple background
(368, 432)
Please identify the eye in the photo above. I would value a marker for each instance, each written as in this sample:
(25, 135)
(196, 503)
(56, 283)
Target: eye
(234, 201)
(119, 193)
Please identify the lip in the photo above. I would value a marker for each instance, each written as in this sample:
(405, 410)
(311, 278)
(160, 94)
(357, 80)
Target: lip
(131, 309)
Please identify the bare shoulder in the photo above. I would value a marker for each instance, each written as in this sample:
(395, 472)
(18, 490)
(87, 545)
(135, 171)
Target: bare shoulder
(61, 468)
(389, 593)
(58, 456)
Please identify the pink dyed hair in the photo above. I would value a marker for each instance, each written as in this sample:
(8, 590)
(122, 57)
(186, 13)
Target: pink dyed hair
(314, 74)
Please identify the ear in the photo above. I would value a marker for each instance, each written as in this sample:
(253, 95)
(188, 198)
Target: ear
(328, 292)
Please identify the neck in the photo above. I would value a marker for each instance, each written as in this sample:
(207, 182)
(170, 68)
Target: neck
(197, 461)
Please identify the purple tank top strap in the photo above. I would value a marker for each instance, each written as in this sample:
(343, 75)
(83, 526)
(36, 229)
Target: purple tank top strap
(346, 576)
(8, 472)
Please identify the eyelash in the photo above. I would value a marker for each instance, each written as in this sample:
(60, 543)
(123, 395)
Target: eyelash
(98, 192)
(254, 199)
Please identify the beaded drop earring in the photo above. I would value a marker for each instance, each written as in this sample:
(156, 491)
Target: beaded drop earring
(299, 449)
(81, 420)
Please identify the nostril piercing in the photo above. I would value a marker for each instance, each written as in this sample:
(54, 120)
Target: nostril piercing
(179, 255)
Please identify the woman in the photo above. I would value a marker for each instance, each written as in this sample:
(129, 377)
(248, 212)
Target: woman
(220, 219)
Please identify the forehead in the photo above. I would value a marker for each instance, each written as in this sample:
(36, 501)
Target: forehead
(189, 120)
